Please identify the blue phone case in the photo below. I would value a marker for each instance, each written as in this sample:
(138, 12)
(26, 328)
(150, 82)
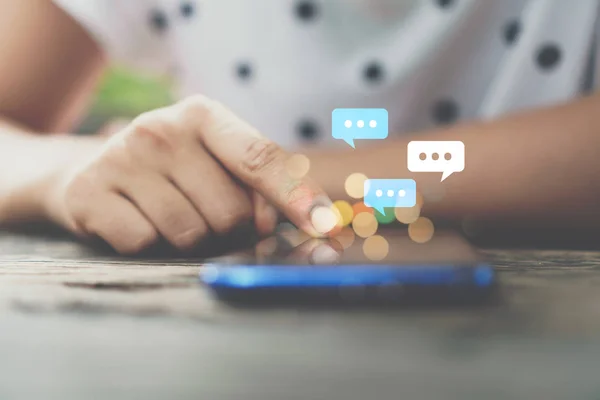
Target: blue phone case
(248, 277)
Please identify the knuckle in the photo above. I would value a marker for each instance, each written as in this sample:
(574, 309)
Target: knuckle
(79, 186)
(158, 132)
(261, 156)
(298, 194)
(197, 107)
(143, 118)
(144, 121)
(189, 238)
(227, 221)
(170, 216)
(182, 228)
(135, 243)
(113, 158)
(196, 102)
(78, 192)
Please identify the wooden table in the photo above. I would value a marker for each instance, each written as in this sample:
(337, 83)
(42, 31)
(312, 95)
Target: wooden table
(77, 323)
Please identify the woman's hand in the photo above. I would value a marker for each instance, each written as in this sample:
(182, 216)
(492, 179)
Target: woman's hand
(183, 172)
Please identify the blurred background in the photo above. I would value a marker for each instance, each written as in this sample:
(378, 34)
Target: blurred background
(124, 94)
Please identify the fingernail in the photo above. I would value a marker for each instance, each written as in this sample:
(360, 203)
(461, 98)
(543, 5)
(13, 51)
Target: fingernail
(323, 219)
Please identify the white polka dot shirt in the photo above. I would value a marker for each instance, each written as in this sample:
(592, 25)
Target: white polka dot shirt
(284, 65)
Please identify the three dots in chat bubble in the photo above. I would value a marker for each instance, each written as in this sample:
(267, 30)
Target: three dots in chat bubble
(390, 193)
(400, 195)
(446, 157)
(349, 124)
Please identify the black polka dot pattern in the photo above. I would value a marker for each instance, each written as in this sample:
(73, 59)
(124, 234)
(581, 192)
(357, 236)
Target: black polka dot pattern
(158, 21)
(445, 112)
(244, 71)
(511, 32)
(308, 130)
(548, 57)
(187, 9)
(445, 4)
(374, 72)
(306, 10)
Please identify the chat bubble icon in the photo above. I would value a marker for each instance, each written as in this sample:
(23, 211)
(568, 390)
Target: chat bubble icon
(447, 157)
(390, 193)
(349, 124)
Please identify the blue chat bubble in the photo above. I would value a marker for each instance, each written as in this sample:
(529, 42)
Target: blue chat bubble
(349, 124)
(381, 193)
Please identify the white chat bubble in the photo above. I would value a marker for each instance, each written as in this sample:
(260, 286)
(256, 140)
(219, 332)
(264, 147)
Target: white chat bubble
(447, 157)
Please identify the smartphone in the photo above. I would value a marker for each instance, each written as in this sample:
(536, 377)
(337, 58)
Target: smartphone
(289, 267)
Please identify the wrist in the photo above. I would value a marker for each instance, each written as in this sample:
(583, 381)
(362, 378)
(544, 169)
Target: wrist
(40, 165)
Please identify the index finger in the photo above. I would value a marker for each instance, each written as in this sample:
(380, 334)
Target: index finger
(260, 163)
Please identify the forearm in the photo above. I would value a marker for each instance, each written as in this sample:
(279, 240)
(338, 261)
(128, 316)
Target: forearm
(29, 163)
(538, 166)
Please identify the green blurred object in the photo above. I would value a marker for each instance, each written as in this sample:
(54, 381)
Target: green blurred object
(124, 93)
(389, 216)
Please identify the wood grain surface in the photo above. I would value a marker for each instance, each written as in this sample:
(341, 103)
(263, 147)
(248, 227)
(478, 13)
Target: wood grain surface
(78, 322)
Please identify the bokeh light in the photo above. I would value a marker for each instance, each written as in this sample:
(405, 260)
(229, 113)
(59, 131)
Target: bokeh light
(355, 185)
(338, 226)
(345, 237)
(297, 166)
(389, 216)
(421, 231)
(376, 248)
(365, 225)
(345, 211)
(420, 200)
(360, 207)
(334, 231)
(407, 215)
